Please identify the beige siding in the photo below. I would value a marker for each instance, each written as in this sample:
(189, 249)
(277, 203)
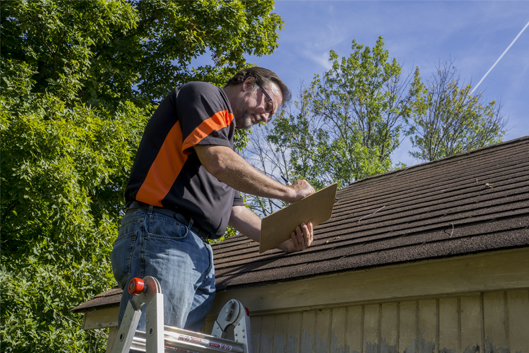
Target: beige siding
(495, 322)
(353, 327)
(471, 322)
(308, 333)
(408, 325)
(294, 332)
(371, 325)
(518, 314)
(255, 322)
(449, 326)
(267, 333)
(388, 333)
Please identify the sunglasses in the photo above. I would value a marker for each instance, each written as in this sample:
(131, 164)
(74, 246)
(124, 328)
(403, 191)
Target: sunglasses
(264, 91)
(269, 100)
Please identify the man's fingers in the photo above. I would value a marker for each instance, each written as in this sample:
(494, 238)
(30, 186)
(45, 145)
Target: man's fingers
(298, 238)
(295, 240)
(310, 234)
(302, 188)
(303, 236)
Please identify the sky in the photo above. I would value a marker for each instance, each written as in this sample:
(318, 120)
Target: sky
(418, 34)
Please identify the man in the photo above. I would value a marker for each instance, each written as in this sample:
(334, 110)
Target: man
(182, 186)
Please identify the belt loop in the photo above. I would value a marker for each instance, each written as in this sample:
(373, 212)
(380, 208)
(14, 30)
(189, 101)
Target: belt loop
(150, 209)
(190, 224)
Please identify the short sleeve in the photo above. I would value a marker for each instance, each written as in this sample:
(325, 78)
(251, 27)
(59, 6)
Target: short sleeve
(237, 199)
(205, 116)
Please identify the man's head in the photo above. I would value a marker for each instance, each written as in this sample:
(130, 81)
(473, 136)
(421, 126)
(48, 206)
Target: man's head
(255, 94)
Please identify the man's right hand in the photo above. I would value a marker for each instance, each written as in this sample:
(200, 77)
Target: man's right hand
(300, 188)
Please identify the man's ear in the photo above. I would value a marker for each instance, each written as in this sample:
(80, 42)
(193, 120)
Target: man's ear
(248, 84)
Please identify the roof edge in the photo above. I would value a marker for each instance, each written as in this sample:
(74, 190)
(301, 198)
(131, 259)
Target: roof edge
(440, 160)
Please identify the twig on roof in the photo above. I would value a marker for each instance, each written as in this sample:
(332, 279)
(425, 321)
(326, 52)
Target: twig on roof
(452, 230)
(371, 213)
(398, 172)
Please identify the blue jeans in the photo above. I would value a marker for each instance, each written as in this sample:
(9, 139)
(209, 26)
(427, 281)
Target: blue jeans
(153, 244)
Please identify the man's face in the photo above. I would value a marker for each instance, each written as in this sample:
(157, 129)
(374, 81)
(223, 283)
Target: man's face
(254, 106)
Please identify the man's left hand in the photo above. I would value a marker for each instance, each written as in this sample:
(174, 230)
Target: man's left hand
(300, 239)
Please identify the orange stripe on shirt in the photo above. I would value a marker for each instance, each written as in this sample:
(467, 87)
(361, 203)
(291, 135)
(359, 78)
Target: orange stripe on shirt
(164, 170)
(217, 122)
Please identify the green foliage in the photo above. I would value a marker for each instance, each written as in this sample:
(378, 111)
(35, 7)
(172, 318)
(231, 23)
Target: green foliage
(39, 289)
(448, 119)
(361, 105)
(303, 138)
(78, 82)
(63, 171)
(346, 123)
(110, 51)
(60, 39)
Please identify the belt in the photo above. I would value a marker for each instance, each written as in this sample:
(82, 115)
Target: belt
(136, 205)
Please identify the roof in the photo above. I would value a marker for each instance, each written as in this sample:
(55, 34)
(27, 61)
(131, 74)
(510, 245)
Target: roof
(109, 298)
(467, 203)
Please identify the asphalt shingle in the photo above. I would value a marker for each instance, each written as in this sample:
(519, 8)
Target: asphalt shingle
(467, 203)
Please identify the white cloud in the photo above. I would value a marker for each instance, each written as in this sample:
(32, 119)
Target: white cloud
(322, 59)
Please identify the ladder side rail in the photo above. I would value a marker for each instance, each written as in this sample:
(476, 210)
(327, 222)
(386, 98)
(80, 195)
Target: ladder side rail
(243, 333)
(234, 313)
(150, 292)
(128, 326)
(154, 318)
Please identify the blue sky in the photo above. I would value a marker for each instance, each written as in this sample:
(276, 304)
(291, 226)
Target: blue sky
(417, 33)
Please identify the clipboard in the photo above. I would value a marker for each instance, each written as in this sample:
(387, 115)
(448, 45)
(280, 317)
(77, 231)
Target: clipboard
(277, 227)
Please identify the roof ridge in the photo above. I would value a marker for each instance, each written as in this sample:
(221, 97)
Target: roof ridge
(457, 155)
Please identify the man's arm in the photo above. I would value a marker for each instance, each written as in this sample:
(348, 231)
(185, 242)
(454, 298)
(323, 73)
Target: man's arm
(230, 168)
(249, 224)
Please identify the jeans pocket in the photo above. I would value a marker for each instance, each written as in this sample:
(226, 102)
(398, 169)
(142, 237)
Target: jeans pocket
(162, 226)
(121, 257)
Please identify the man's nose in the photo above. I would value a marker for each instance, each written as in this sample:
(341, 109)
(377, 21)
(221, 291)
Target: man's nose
(265, 117)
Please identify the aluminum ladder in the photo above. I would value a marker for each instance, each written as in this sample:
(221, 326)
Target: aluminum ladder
(233, 321)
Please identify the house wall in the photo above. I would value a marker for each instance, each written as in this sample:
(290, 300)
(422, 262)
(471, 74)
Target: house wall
(496, 322)
(475, 303)
(466, 304)
(473, 322)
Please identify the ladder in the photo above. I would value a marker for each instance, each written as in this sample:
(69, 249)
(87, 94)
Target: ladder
(233, 321)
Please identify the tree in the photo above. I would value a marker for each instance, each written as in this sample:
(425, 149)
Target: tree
(362, 103)
(346, 123)
(111, 51)
(78, 83)
(63, 170)
(286, 150)
(449, 119)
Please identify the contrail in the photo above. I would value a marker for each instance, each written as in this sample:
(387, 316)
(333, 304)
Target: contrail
(501, 56)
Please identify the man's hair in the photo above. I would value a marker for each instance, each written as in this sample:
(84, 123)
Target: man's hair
(263, 77)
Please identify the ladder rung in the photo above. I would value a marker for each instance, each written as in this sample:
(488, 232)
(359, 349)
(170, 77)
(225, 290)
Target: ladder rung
(175, 338)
